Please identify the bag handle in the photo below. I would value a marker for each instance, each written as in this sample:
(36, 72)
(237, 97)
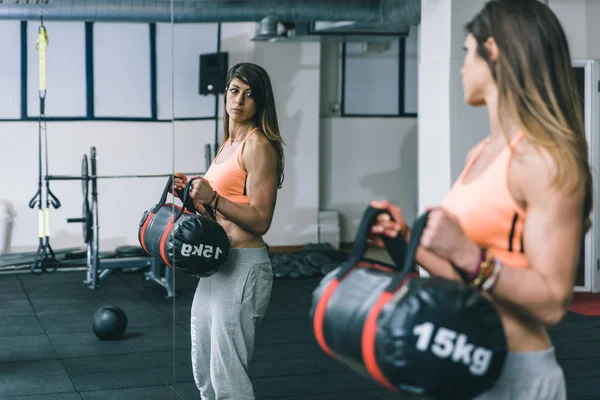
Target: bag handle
(163, 197)
(409, 264)
(396, 247)
(184, 195)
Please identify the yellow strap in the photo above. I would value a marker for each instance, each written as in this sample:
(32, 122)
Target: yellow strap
(40, 46)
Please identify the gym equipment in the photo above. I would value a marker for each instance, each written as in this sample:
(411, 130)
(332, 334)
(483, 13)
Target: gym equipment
(86, 220)
(130, 251)
(12, 262)
(45, 258)
(109, 323)
(86, 213)
(90, 177)
(281, 265)
(85, 183)
(97, 264)
(310, 262)
(425, 336)
(189, 243)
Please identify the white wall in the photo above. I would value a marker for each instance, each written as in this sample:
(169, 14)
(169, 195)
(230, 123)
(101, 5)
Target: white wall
(364, 158)
(294, 71)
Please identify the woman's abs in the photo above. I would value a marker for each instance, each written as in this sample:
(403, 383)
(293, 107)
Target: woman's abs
(522, 333)
(239, 237)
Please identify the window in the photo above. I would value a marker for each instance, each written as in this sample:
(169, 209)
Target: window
(380, 77)
(106, 71)
(10, 71)
(191, 40)
(121, 70)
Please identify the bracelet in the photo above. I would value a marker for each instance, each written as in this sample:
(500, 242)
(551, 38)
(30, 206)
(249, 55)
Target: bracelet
(486, 270)
(213, 197)
(482, 256)
(216, 201)
(490, 282)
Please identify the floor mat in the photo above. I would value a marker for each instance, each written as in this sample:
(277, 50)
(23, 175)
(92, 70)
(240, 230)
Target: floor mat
(586, 304)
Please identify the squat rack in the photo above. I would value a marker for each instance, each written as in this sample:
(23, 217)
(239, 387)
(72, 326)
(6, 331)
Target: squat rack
(99, 268)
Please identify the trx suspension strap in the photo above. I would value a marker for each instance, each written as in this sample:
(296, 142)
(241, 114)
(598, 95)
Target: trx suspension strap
(45, 255)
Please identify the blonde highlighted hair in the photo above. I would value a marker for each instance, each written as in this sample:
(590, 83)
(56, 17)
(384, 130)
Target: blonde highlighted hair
(265, 118)
(536, 84)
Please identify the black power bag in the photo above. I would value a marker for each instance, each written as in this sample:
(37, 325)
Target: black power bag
(189, 243)
(424, 336)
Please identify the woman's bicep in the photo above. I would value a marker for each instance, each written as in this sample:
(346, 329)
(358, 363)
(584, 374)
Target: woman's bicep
(261, 182)
(554, 224)
(552, 237)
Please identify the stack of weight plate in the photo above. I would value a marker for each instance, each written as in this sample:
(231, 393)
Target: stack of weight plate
(310, 262)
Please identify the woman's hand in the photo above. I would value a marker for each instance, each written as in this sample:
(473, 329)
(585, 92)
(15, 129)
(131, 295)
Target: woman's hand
(390, 224)
(201, 191)
(179, 182)
(444, 236)
(396, 225)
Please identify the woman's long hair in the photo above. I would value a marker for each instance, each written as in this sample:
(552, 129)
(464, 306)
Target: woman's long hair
(536, 84)
(266, 115)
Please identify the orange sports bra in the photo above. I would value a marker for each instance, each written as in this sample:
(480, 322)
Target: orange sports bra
(228, 177)
(487, 212)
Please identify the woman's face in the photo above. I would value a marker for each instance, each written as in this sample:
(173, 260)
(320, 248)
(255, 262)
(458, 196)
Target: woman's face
(476, 75)
(240, 105)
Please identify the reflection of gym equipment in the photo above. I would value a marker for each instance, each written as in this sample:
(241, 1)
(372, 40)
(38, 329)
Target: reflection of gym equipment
(127, 257)
(96, 263)
(109, 323)
(45, 256)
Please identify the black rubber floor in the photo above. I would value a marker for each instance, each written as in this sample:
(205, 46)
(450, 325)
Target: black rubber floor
(48, 351)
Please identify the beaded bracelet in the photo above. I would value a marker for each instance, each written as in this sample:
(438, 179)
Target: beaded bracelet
(490, 282)
(213, 198)
(486, 270)
(474, 274)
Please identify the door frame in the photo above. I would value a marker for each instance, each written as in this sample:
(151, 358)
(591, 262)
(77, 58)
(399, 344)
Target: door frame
(591, 120)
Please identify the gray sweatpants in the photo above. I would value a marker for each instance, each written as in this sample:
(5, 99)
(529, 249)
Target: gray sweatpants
(532, 375)
(226, 310)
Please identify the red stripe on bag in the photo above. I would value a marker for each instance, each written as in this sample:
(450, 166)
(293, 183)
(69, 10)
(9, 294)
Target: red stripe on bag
(368, 342)
(143, 232)
(320, 316)
(364, 264)
(370, 334)
(163, 240)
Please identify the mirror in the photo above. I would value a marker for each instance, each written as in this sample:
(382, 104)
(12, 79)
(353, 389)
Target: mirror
(87, 141)
(196, 134)
(293, 70)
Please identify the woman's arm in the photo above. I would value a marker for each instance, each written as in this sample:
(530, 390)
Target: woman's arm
(552, 238)
(436, 265)
(391, 224)
(260, 161)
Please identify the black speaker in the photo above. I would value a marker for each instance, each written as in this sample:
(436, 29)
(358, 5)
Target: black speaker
(213, 72)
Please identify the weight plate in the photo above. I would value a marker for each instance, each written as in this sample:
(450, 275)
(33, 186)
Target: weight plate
(85, 173)
(317, 260)
(87, 221)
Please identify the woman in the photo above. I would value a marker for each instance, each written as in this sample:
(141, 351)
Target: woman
(513, 221)
(241, 187)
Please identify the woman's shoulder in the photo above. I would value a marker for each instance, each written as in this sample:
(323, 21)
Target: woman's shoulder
(537, 167)
(258, 140)
(258, 145)
(531, 157)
